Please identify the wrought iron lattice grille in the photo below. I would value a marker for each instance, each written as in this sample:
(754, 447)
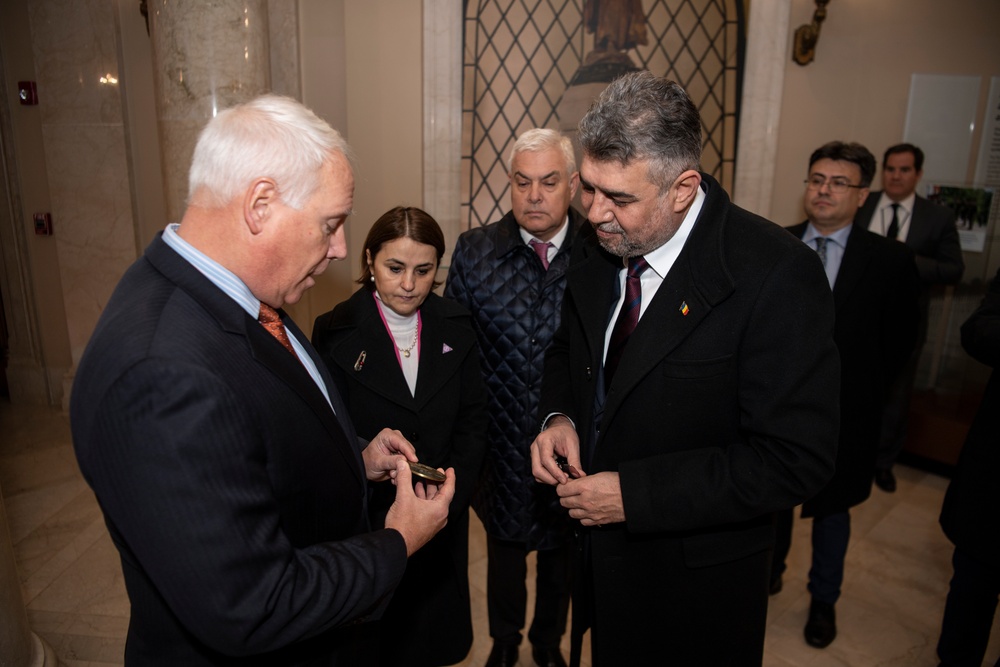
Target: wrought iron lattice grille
(520, 55)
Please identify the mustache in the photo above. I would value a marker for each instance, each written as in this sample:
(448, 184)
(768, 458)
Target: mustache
(609, 227)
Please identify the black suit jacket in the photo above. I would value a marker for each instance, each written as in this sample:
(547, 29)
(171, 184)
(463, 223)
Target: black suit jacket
(876, 299)
(446, 422)
(932, 236)
(717, 417)
(236, 497)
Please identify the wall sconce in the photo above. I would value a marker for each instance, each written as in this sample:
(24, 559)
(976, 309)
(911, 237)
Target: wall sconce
(806, 36)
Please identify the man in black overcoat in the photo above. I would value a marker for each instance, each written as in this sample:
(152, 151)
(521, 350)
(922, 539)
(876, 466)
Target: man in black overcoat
(875, 291)
(716, 409)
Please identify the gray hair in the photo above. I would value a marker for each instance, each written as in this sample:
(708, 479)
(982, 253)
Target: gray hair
(541, 139)
(270, 136)
(640, 116)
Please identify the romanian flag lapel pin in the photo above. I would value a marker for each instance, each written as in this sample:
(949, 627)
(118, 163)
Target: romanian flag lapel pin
(684, 308)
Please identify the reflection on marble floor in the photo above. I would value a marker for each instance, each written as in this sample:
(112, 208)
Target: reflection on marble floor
(897, 574)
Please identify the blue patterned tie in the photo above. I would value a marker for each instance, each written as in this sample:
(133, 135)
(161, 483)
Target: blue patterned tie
(628, 317)
(821, 248)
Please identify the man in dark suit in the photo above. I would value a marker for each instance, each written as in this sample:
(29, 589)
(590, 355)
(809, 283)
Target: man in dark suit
(511, 275)
(875, 290)
(229, 474)
(716, 409)
(928, 229)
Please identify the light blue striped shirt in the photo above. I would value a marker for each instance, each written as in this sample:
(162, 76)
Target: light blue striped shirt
(835, 247)
(237, 290)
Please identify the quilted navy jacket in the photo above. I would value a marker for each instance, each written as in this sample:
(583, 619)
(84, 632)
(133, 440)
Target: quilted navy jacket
(515, 305)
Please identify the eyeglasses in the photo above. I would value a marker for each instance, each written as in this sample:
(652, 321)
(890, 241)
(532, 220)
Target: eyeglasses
(837, 186)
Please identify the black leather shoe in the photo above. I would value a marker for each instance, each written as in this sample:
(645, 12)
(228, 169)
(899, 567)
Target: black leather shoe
(503, 655)
(885, 480)
(547, 657)
(821, 628)
(775, 586)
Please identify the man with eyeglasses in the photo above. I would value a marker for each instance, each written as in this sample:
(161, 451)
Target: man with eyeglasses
(929, 230)
(875, 289)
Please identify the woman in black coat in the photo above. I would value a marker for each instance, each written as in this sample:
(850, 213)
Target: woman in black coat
(406, 358)
(971, 513)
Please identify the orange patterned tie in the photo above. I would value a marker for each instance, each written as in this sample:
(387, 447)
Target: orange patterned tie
(272, 322)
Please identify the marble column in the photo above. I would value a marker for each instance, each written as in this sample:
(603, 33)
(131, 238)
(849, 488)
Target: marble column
(75, 50)
(207, 56)
(767, 52)
(443, 25)
(19, 646)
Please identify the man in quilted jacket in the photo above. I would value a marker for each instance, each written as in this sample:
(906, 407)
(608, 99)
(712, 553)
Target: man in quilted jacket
(511, 275)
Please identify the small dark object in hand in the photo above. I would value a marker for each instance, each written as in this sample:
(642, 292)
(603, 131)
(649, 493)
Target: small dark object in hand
(427, 472)
(567, 468)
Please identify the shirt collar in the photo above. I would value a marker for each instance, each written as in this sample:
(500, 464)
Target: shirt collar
(556, 240)
(220, 276)
(661, 259)
(905, 204)
(839, 237)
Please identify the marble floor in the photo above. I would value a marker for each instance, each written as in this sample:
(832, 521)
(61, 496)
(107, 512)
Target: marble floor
(898, 565)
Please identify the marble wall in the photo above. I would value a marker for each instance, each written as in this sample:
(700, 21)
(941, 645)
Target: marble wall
(99, 152)
(76, 59)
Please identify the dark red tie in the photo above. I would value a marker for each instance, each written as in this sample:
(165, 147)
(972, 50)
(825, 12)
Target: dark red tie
(628, 317)
(541, 249)
(271, 321)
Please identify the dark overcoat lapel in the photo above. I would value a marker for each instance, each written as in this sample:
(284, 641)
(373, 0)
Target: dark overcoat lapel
(592, 285)
(381, 372)
(698, 280)
(853, 267)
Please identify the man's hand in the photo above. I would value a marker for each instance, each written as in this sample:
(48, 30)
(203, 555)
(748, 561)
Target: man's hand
(419, 513)
(596, 500)
(559, 439)
(382, 454)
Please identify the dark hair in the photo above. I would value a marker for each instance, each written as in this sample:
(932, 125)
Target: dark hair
(847, 152)
(641, 116)
(918, 155)
(400, 222)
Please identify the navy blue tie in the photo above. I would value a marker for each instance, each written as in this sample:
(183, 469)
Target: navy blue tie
(628, 317)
